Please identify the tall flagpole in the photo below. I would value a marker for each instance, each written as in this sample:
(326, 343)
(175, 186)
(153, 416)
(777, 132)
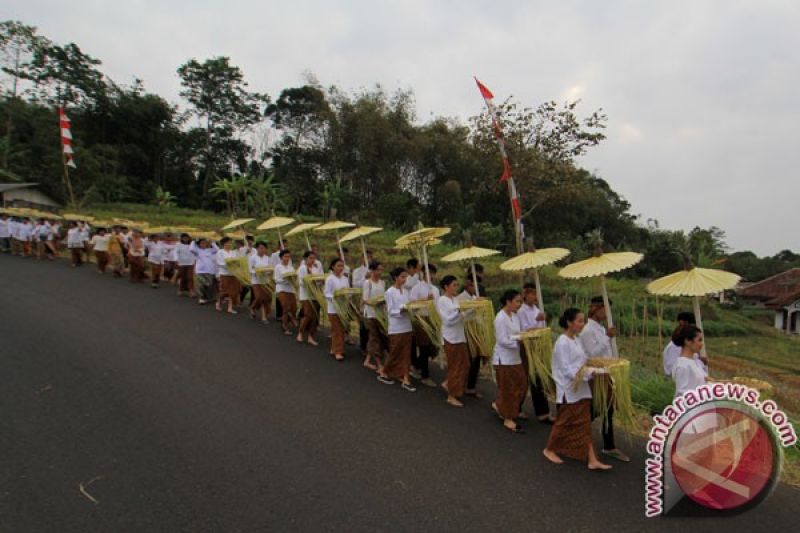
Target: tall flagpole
(66, 150)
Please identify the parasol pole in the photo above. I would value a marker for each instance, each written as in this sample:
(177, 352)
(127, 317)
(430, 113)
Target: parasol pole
(280, 239)
(364, 251)
(609, 319)
(425, 260)
(538, 289)
(699, 320)
(339, 244)
(474, 278)
(308, 243)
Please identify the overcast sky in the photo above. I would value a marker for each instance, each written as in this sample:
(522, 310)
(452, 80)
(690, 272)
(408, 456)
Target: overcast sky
(702, 96)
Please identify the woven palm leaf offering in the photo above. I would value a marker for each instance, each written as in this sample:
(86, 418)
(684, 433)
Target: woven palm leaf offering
(424, 316)
(238, 267)
(538, 344)
(315, 285)
(381, 315)
(264, 276)
(348, 306)
(479, 325)
(764, 388)
(291, 277)
(612, 387)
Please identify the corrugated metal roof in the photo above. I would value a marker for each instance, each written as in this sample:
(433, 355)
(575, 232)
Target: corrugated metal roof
(13, 186)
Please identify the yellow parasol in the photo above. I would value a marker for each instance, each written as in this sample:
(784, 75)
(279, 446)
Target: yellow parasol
(236, 223)
(535, 260)
(303, 228)
(598, 266)
(276, 223)
(694, 282)
(360, 233)
(422, 238)
(239, 235)
(335, 226)
(155, 231)
(75, 217)
(470, 253)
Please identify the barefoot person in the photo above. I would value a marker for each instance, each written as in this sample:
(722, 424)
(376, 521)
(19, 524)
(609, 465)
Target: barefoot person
(454, 340)
(75, 244)
(136, 250)
(572, 431)
(155, 259)
(686, 374)
(262, 295)
(285, 291)
(185, 260)
(229, 286)
(99, 243)
(512, 383)
(398, 362)
(377, 341)
(205, 269)
(531, 318)
(335, 281)
(596, 342)
(311, 311)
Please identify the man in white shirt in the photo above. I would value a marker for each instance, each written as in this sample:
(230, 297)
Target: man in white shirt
(596, 342)
(205, 269)
(423, 349)
(5, 233)
(99, 243)
(25, 235)
(468, 293)
(84, 230)
(412, 267)
(673, 351)
(75, 244)
(531, 317)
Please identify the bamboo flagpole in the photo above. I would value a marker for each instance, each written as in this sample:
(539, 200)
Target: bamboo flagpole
(516, 210)
(67, 158)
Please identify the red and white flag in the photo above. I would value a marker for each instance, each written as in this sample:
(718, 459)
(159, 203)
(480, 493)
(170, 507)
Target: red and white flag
(66, 138)
(488, 97)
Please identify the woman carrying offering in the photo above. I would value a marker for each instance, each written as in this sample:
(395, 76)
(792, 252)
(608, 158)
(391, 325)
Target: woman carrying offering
(374, 288)
(454, 340)
(512, 382)
(572, 431)
(310, 321)
(336, 280)
(262, 297)
(285, 290)
(229, 285)
(398, 363)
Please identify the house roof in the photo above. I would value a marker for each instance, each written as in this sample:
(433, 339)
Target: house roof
(775, 288)
(14, 186)
(784, 300)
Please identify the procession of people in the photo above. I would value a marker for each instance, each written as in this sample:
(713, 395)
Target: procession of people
(389, 320)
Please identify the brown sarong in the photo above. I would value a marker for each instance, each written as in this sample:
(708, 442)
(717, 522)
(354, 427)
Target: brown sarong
(116, 263)
(136, 264)
(77, 256)
(512, 384)
(457, 367)
(398, 362)
(102, 260)
(169, 269)
(377, 341)
(310, 321)
(261, 298)
(186, 278)
(155, 273)
(289, 305)
(337, 334)
(572, 430)
(229, 287)
(420, 337)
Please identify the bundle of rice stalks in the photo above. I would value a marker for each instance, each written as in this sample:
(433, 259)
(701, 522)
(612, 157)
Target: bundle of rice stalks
(613, 388)
(479, 325)
(239, 268)
(291, 277)
(426, 319)
(315, 285)
(379, 306)
(765, 389)
(348, 306)
(264, 276)
(538, 345)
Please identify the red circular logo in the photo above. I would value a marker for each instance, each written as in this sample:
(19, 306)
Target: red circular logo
(722, 458)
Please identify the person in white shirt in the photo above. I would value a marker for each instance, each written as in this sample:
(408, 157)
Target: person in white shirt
(413, 270)
(229, 285)
(85, 230)
(454, 340)
(686, 374)
(530, 318)
(335, 281)
(476, 359)
(357, 280)
(361, 273)
(274, 260)
(262, 295)
(512, 382)
(136, 251)
(99, 243)
(169, 257)
(39, 237)
(205, 269)
(185, 260)
(25, 235)
(154, 259)
(75, 244)
(310, 308)
(398, 361)
(596, 342)
(285, 291)
(423, 349)
(5, 233)
(572, 432)
(672, 351)
(315, 251)
(377, 341)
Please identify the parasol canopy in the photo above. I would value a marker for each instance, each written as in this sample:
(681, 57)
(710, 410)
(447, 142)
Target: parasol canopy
(468, 253)
(362, 231)
(694, 282)
(237, 235)
(76, 217)
(421, 236)
(535, 259)
(275, 223)
(236, 223)
(302, 228)
(334, 225)
(600, 265)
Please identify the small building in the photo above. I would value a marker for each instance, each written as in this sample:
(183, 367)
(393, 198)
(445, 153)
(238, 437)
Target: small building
(25, 195)
(781, 293)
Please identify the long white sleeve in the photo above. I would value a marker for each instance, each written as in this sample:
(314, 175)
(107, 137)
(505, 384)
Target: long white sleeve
(568, 359)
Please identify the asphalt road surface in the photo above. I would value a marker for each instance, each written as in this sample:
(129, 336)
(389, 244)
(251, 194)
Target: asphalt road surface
(124, 408)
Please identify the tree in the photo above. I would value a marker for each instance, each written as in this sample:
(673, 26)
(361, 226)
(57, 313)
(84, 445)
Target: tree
(164, 199)
(218, 94)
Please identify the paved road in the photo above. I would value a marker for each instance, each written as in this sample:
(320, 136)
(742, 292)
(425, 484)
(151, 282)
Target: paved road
(177, 418)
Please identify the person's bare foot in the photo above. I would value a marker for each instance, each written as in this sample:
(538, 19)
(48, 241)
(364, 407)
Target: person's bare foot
(312, 342)
(369, 365)
(444, 385)
(552, 457)
(599, 466)
(454, 402)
